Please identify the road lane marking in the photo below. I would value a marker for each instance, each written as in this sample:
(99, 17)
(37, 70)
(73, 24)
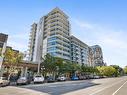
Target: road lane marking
(106, 88)
(119, 88)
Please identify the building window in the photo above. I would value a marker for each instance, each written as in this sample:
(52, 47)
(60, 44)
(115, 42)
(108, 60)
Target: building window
(52, 43)
(52, 38)
(51, 49)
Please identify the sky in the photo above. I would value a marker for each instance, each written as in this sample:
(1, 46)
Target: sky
(102, 22)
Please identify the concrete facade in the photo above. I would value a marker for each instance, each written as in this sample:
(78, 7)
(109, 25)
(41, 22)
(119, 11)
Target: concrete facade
(79, 51)
(3, 44)
(52, 36)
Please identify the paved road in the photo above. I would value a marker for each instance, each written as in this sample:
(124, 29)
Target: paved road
(62, 87)
(107, 86)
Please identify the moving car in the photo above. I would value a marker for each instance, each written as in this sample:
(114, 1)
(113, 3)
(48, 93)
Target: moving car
(61, 78)
(23, 80)
(38, 79)
(4, 81)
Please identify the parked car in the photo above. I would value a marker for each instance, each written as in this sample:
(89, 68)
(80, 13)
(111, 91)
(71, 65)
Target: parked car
(96, 77)
(38, 79)
(91, 76)
(50, 79)
(74, 78)
(82, 77)
(61, 78)
(4, 81)
(87, 76)
(23, 80)
(104, 76)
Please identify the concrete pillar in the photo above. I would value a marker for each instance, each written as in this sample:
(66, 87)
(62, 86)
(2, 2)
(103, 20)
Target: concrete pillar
(1, 71)
(1, 61)
(24, 71)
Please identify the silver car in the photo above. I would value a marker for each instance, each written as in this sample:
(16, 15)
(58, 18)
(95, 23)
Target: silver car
(22, 80)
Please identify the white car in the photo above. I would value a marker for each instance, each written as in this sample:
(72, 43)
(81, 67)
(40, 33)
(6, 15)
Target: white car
(61, 78)
(38, 79)
(4, 81)
(96, 77)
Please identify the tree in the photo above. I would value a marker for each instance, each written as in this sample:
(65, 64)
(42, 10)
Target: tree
(117, 68)
(59, 64)
(66, 67)
(48, 65)
(70, 68)
(106, 70)
(125, 70)
(89, 70)
(12, 58)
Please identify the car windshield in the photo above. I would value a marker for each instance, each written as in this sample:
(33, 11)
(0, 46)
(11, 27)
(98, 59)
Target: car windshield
(23, 78)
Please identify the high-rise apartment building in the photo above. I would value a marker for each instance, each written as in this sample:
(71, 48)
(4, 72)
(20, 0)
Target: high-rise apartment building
(79, 51)
(32, 41)
(97, 55)
(91, 57)
(52, 35)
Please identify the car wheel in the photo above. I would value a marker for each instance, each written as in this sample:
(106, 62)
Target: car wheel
(35, 82)
(8, 84)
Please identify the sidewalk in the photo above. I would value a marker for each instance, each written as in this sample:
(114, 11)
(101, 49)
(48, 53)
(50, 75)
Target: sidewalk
(11, 90)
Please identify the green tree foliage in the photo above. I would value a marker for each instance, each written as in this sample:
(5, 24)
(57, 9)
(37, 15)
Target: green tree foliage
(125, 70)
(117, 68)
(48, 64)
(106, 70)
(12, 58)
(56, 65)
(89, 70)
